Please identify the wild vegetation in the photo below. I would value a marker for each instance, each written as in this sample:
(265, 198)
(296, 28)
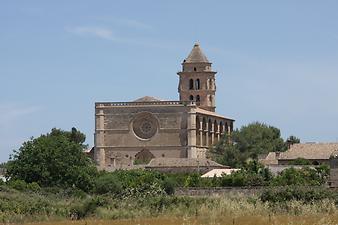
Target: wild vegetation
(52, 204)
(50, 178)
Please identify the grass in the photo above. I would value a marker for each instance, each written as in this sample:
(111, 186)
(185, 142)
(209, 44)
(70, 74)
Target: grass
(56, 206)
(244, 220)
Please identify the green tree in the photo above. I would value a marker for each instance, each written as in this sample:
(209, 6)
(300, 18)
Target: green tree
(247, 143)
(54, 159)
(305, 176)
(292, 140)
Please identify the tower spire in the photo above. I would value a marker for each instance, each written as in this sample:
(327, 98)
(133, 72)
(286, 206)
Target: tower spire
(196, 55)
(197, 80)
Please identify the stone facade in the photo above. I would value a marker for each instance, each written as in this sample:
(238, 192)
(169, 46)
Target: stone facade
(130, 133)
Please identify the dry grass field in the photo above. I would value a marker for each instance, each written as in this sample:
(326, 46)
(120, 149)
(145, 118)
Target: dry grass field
(320, 219)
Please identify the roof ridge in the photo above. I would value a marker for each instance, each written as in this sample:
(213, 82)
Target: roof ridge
(147, 99)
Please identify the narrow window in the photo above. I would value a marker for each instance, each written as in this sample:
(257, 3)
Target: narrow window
(198, 84)
(191, 98)
(198, 99)
(194, 68)
(191, 84)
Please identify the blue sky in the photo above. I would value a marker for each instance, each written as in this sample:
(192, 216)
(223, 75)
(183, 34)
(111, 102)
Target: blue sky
(276, 61)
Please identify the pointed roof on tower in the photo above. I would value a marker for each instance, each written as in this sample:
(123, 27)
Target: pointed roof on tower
(196, 55)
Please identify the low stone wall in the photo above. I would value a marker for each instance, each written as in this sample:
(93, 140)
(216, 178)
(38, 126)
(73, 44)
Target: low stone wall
(184, 169)
(217, 191)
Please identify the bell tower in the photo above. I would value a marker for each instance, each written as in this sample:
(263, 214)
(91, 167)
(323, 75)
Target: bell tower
(197, 80)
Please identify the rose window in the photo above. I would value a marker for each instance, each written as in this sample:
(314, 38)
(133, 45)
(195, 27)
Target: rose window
(145, 125)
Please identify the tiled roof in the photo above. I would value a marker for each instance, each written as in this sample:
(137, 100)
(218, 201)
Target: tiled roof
(310, 151)
(147, 99)
(196, 55)
(183, 162)
(206, 112)
(270, 159)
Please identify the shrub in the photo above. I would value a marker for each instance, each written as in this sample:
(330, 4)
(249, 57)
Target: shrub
(169, 185)
(304, 176)
(33, 186)
(87, 208)
(19, 185)
(108, 183)
(299, 193)
(193, 180)
(300, 161)
(252, 174)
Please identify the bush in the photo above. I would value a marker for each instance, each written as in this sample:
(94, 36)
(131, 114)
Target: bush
(169, 185)
(300, 161)
(193, 180)
(252, 174)
(304, 176)
(86, 208)
(33, 186)
(19, 185)
(299, 193)
(107, 183)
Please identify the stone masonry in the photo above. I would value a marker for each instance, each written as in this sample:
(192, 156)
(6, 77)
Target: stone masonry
(131, 133)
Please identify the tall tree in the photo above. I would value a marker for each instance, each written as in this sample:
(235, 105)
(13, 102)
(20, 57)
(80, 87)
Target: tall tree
(56, 158)
(292, 140)
(247, 143)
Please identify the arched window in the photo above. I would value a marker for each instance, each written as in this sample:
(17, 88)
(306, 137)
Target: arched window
(215, 126)
(194, 68)
(198, 127)
(198, 99)
(210, 132)
(204, 128)
(191, 84)
(204, 124)
(209, 125)
(221, 130)
(197, 84)
(191, 98)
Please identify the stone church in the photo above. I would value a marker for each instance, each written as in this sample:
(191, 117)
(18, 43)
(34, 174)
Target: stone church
(131, 133)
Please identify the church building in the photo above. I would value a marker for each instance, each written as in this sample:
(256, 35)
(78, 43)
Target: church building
(128, 134)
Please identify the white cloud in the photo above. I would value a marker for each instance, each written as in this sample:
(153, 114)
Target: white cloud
(108, 34)
(135, 24)
(129, 23)
(100, 32)
(11, 112)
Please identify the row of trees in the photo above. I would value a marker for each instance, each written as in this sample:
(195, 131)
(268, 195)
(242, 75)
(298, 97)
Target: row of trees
(57, 159)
